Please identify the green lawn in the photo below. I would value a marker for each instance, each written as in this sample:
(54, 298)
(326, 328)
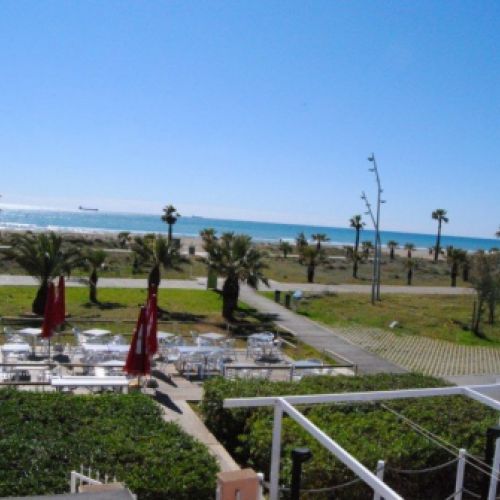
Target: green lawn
(444, 317)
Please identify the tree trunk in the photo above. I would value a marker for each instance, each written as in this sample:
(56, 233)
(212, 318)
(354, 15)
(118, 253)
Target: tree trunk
(438, 242)
(38, 306)
(477, 319)
(409, 253)
(356, 244)
(409, 276)
(230, 294)
(392, 253)
(170, 233)
(355, 268)
(310, 273)
(154, 277)
(454, 273)
(93, 287)
(318, 245)
(491, 312)
(465, 272)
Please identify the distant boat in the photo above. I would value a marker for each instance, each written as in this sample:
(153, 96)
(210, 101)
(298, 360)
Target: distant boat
(88, 209)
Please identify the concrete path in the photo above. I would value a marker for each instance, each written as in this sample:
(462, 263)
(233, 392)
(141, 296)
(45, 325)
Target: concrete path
(318, 336)
(200, 284)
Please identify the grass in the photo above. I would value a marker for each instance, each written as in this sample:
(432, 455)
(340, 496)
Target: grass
(444, 317)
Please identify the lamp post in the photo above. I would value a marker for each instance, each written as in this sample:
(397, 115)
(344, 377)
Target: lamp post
(376, 225)
(299, 456)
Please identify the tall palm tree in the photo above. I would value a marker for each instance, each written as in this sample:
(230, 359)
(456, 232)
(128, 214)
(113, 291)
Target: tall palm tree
(312, 257)
(170, 216)
(392, 246)
(440, 215)
(285, 248)
(409, 270)
(366, 247)
(158, 252)
(42, 256)
(356, 223)
(300, 243)
(456, 258)
(234, 258)
(94, 260)
(320, 238)
(409, 247)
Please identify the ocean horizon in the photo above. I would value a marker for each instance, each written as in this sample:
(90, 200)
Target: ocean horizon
(38, 219)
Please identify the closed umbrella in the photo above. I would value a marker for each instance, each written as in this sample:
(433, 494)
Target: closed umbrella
(60, 302)
(152, 324)
(49, 315)
(138, 362)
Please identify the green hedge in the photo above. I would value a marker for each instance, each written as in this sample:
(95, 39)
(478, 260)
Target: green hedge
(368, 431)
(43, 436)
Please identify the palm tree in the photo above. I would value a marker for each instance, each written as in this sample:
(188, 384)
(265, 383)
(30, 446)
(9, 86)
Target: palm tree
(356, 223)
(234, 258)
(170, 216)
(319, 238)
(300, 243)
(311, 257)
(366, 247)
(285, 248)
(440, 215)
(409, 247)
(43, 257)
(392, 246)
(94, 260)
(123, 239)
(158, 252)
(409, 270)
(455, 258)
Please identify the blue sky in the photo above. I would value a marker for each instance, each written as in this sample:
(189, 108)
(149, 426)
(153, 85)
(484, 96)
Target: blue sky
(255, 110)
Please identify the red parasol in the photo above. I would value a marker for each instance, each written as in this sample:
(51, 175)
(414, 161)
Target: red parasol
(138, 361)
(60, 302)
(49, 315)
(152, 324)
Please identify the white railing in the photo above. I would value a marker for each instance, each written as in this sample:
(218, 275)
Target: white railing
(78, 478)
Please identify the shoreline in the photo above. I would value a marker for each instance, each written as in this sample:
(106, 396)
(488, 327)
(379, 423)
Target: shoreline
(192, 240)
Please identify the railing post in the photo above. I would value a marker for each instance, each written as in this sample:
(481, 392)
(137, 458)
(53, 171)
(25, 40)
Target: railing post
(380, 474)
(73, 482)
(492, 493)
(459, 483)
(274, 475)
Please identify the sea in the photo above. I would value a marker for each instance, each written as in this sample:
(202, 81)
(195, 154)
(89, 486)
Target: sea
(111, 222)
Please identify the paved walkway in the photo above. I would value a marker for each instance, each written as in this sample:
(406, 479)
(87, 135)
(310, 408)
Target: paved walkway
(200, 284)
(319, 336)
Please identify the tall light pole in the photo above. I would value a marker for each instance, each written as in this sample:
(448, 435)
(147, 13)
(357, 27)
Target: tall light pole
(376, 224)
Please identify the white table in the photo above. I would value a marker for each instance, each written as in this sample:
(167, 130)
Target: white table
(96, 332)
(33, 332)
(78, 381)
(21, 347)
(106, 348)
(261, 337)
(211, 336)
(164, 335)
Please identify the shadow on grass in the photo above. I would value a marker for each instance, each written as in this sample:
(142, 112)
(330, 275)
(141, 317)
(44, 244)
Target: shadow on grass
(104, 305)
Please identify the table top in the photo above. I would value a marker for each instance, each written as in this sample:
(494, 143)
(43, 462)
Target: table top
(211, 336)
(21, 347)
(30, 331)
(165, 335)
(89, 381)
(263, 337)
(96, 332)
(193, 349)
(106, 347)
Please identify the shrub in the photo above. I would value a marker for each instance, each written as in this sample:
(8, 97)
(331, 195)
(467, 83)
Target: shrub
(43, 436)
(368, 431)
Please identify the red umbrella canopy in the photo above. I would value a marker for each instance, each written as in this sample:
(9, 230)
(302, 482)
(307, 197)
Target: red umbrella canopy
(152, 324)
(49, 315)
(60, 300)
(138, 362)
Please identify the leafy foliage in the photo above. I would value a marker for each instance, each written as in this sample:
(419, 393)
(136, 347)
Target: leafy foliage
(43, 436)
(368, 431)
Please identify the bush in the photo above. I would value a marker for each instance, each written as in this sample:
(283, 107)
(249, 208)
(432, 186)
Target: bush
(368, 431)
(44, 436)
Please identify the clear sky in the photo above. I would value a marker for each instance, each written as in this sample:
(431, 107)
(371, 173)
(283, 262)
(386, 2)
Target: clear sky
(261, 110)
